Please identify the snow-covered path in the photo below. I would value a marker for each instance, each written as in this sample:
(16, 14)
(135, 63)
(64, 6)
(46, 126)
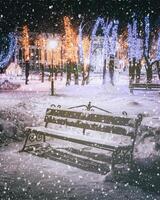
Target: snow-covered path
(24, 176)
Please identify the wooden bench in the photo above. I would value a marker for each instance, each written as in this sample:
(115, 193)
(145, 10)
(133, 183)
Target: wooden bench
(88, 119)
(144, 86)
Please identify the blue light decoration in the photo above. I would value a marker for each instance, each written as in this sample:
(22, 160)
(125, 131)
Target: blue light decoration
(99, 21)
(130, 54)
(12, 46)
(147, 30)
(134, 39)
(158, 47)
(106, 30)
(80, 44)
(135, 49)
(113, 39)
(1, 55)
(139, 50)
(109, 42)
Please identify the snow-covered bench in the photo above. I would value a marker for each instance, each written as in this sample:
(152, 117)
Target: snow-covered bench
(88, 119)
(144, 86)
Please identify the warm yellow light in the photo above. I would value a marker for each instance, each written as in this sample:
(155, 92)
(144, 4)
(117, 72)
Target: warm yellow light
(52, 44)
(70, 42)
(25, 42)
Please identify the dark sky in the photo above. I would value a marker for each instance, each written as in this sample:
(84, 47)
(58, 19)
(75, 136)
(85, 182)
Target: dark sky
(47, 15)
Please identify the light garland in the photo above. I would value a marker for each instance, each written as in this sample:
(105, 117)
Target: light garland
(134, 43)
(106, 30)
(134, 39)
(130, 54)
(113, 39)
(139, 50)
(147, 29)
(109, 43)
(99, 21)
(11, 50)
(80, 44)
(71, 41)
(158, 47)
(25, 42)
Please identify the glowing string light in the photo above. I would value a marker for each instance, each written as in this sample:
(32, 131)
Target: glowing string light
(106, 30)
(130, 54)
(139, 50)
(80, 44)
(99, 21)
(134, 38)
(158, 47)
(11, 50)
(113, 39)
(134, 43)
(70, 42)
(147, 30)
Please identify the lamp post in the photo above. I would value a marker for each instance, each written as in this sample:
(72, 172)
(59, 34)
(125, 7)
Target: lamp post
(52, 44)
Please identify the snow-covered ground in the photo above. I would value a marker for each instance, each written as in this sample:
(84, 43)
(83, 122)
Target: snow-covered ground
(24, 176)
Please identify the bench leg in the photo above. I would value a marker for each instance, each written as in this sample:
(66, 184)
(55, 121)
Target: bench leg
(131, 91)
(122, 156)
(32, 137)
(25, 142)
(113, 162)
(44, 138)
(131, 161)
(112, 167)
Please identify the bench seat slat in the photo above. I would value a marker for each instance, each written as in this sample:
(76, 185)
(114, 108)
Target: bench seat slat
(81, 139)
(145, 85)
(88, 116)
(120, 130)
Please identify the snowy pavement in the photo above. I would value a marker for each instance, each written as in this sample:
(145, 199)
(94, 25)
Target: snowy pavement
(24, 176)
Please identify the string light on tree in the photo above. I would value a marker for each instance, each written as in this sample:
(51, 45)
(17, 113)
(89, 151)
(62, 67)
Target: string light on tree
(71, 41)
(134, 42)
(86, 47)
(99, 21)
(130, 54)
(158, 47)
(80, 44)
(41, 45)
(11, 50)
(106, 31)
(25, 42)
(147, 32)
(134, 39)
(114, 39)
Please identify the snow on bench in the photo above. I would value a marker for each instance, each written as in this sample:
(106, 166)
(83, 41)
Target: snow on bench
(98, 122)
(144, 86)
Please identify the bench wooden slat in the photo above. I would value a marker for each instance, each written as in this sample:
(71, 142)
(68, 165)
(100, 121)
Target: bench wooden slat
(91, 126)
(145, 85)
(109, 119)
(84, 140)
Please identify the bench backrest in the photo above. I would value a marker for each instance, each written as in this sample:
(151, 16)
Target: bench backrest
(121, 125)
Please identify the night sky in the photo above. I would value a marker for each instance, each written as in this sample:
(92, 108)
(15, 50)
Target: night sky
(47, 15)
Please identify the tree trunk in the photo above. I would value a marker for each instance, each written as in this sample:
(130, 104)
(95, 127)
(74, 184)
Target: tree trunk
(104, 72)
(149, 74)
(158, 69)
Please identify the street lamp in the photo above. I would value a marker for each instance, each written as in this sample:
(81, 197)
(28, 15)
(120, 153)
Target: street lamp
(52, 44)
